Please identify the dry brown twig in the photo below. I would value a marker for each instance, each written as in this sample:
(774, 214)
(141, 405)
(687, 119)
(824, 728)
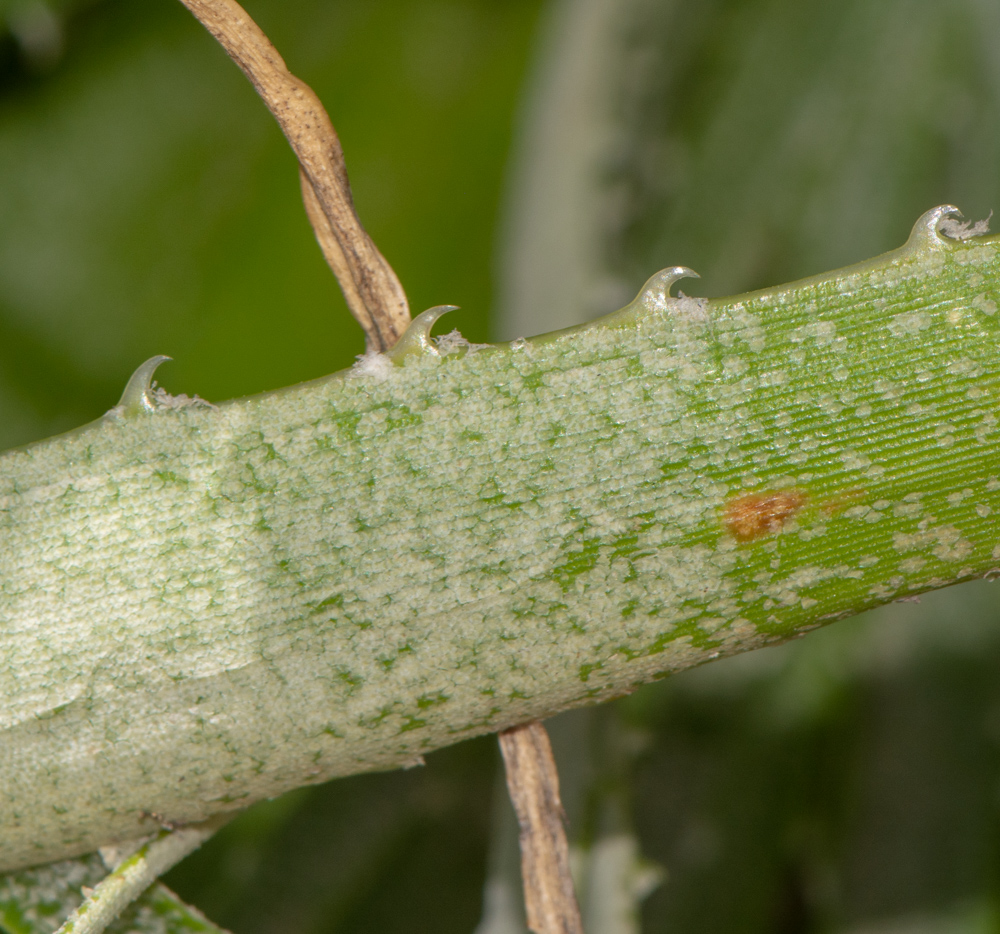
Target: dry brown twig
(370, 286)
(533, 783)
(377, 300)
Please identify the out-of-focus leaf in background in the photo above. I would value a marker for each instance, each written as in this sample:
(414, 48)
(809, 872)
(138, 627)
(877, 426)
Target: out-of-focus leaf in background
(847, 783)
(150, 205)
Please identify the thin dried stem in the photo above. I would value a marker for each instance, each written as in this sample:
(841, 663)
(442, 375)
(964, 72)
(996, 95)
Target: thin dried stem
(533, 783)
(370, 286)
(377, 300)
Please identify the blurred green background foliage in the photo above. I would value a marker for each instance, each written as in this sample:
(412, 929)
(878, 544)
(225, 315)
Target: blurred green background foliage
(848, 782)
(151, 205)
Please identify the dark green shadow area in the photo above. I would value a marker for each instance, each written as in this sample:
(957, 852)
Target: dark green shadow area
(397, 851)
(151, 205)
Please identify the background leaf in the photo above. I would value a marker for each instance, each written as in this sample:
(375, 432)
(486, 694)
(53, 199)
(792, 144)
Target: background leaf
(150, 206)
(846, 783)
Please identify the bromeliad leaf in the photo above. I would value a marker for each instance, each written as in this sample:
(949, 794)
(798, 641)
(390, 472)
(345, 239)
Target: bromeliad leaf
(39, 900)
(343, 575)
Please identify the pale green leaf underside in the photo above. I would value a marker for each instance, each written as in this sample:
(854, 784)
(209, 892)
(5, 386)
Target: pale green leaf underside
(205, 607)
(38, 901)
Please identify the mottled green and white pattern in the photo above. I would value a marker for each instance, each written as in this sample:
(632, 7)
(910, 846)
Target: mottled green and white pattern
(203, 606)
(38, 901)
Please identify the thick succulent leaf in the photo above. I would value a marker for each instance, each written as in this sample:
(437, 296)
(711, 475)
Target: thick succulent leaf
(695, 847)
(150, 206)
(846, 781)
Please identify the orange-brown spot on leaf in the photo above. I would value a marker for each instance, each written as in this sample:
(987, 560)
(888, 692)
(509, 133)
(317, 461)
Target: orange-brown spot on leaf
(755, 515)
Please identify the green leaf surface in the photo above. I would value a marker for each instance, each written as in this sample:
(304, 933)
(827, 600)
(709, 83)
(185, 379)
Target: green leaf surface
(845, 782)
(150, 206)
(324, 580)
(38, 901)
(911, 710)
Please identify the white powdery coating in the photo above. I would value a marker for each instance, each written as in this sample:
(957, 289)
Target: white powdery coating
(964, 230)
(983, 304)
(201, 608)
(311, 583)
(44, 897)
(694, 308)
(372, 365)
(164, 400)
(454, 342)
(908, 323)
